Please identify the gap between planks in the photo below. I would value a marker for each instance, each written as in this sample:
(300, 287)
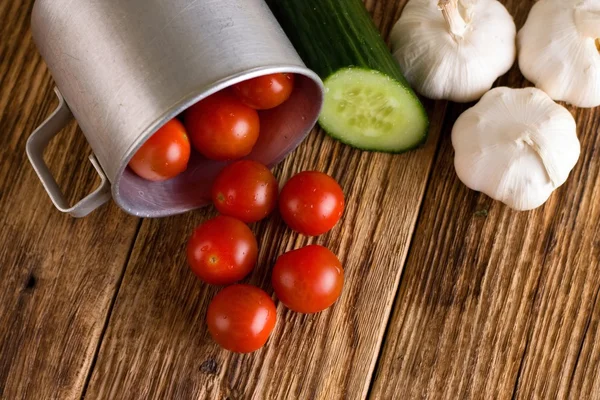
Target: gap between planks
(110, 309)
(396, 299)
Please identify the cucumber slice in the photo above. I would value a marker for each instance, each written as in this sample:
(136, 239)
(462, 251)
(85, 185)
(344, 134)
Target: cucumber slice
(338, 40)
(366, 109)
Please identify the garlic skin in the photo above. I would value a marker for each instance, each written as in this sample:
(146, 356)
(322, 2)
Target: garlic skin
(456, 50)
(559, 50)
(516, 146)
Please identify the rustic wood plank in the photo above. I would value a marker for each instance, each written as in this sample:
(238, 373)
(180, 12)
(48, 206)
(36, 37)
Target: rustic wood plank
(494, 303)
(157, 346)
(58, 275)
(570, 281)
(586, 378)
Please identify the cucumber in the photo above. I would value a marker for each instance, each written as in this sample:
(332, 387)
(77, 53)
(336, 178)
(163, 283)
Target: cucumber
(368, 102)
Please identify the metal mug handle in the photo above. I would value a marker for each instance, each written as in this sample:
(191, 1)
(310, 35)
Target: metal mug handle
(37, 143)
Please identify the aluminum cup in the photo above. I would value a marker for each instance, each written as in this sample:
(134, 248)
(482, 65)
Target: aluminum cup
(123, 68)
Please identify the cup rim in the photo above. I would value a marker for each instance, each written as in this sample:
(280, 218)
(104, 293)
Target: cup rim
(189, 100)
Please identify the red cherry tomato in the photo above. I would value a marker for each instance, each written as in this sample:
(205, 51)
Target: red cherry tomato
(241, 318)
(165, 155)
(221, 127)
(222, 251)
(311, 203)
(246, 190)
(267, 91)
(308, 280)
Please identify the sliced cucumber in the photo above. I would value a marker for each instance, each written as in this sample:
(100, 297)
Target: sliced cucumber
(369, 110)
(368, 103)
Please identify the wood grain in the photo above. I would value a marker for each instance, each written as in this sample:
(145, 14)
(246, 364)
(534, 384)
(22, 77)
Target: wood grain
(157, 346)
(586, 377)
(58, 275)
(494, 303)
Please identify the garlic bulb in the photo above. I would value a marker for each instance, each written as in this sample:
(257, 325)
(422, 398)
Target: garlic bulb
(515, 145)
(559, 50)
(454, 50)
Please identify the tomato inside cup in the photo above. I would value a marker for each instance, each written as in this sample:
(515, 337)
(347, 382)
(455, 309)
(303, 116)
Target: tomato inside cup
(222, 127)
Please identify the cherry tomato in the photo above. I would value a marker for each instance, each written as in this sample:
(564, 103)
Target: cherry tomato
(308, 280)
(267, 91)
(241, 318)
(222, 251)
(246, 190)
(221, 127)
(311, 203)
(165, 155)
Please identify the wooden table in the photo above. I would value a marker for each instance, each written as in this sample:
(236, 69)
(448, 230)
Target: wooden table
(448, 294)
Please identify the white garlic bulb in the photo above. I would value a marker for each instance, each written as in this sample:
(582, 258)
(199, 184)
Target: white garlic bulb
(559, 50)
(454, 50)
(515, 145)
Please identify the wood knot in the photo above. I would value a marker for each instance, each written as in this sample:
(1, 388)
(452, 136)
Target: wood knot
(209, 367)
(31, 282)
(483, 213)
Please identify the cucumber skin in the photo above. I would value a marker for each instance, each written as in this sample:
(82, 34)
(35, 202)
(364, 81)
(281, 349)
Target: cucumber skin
(330, 35)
